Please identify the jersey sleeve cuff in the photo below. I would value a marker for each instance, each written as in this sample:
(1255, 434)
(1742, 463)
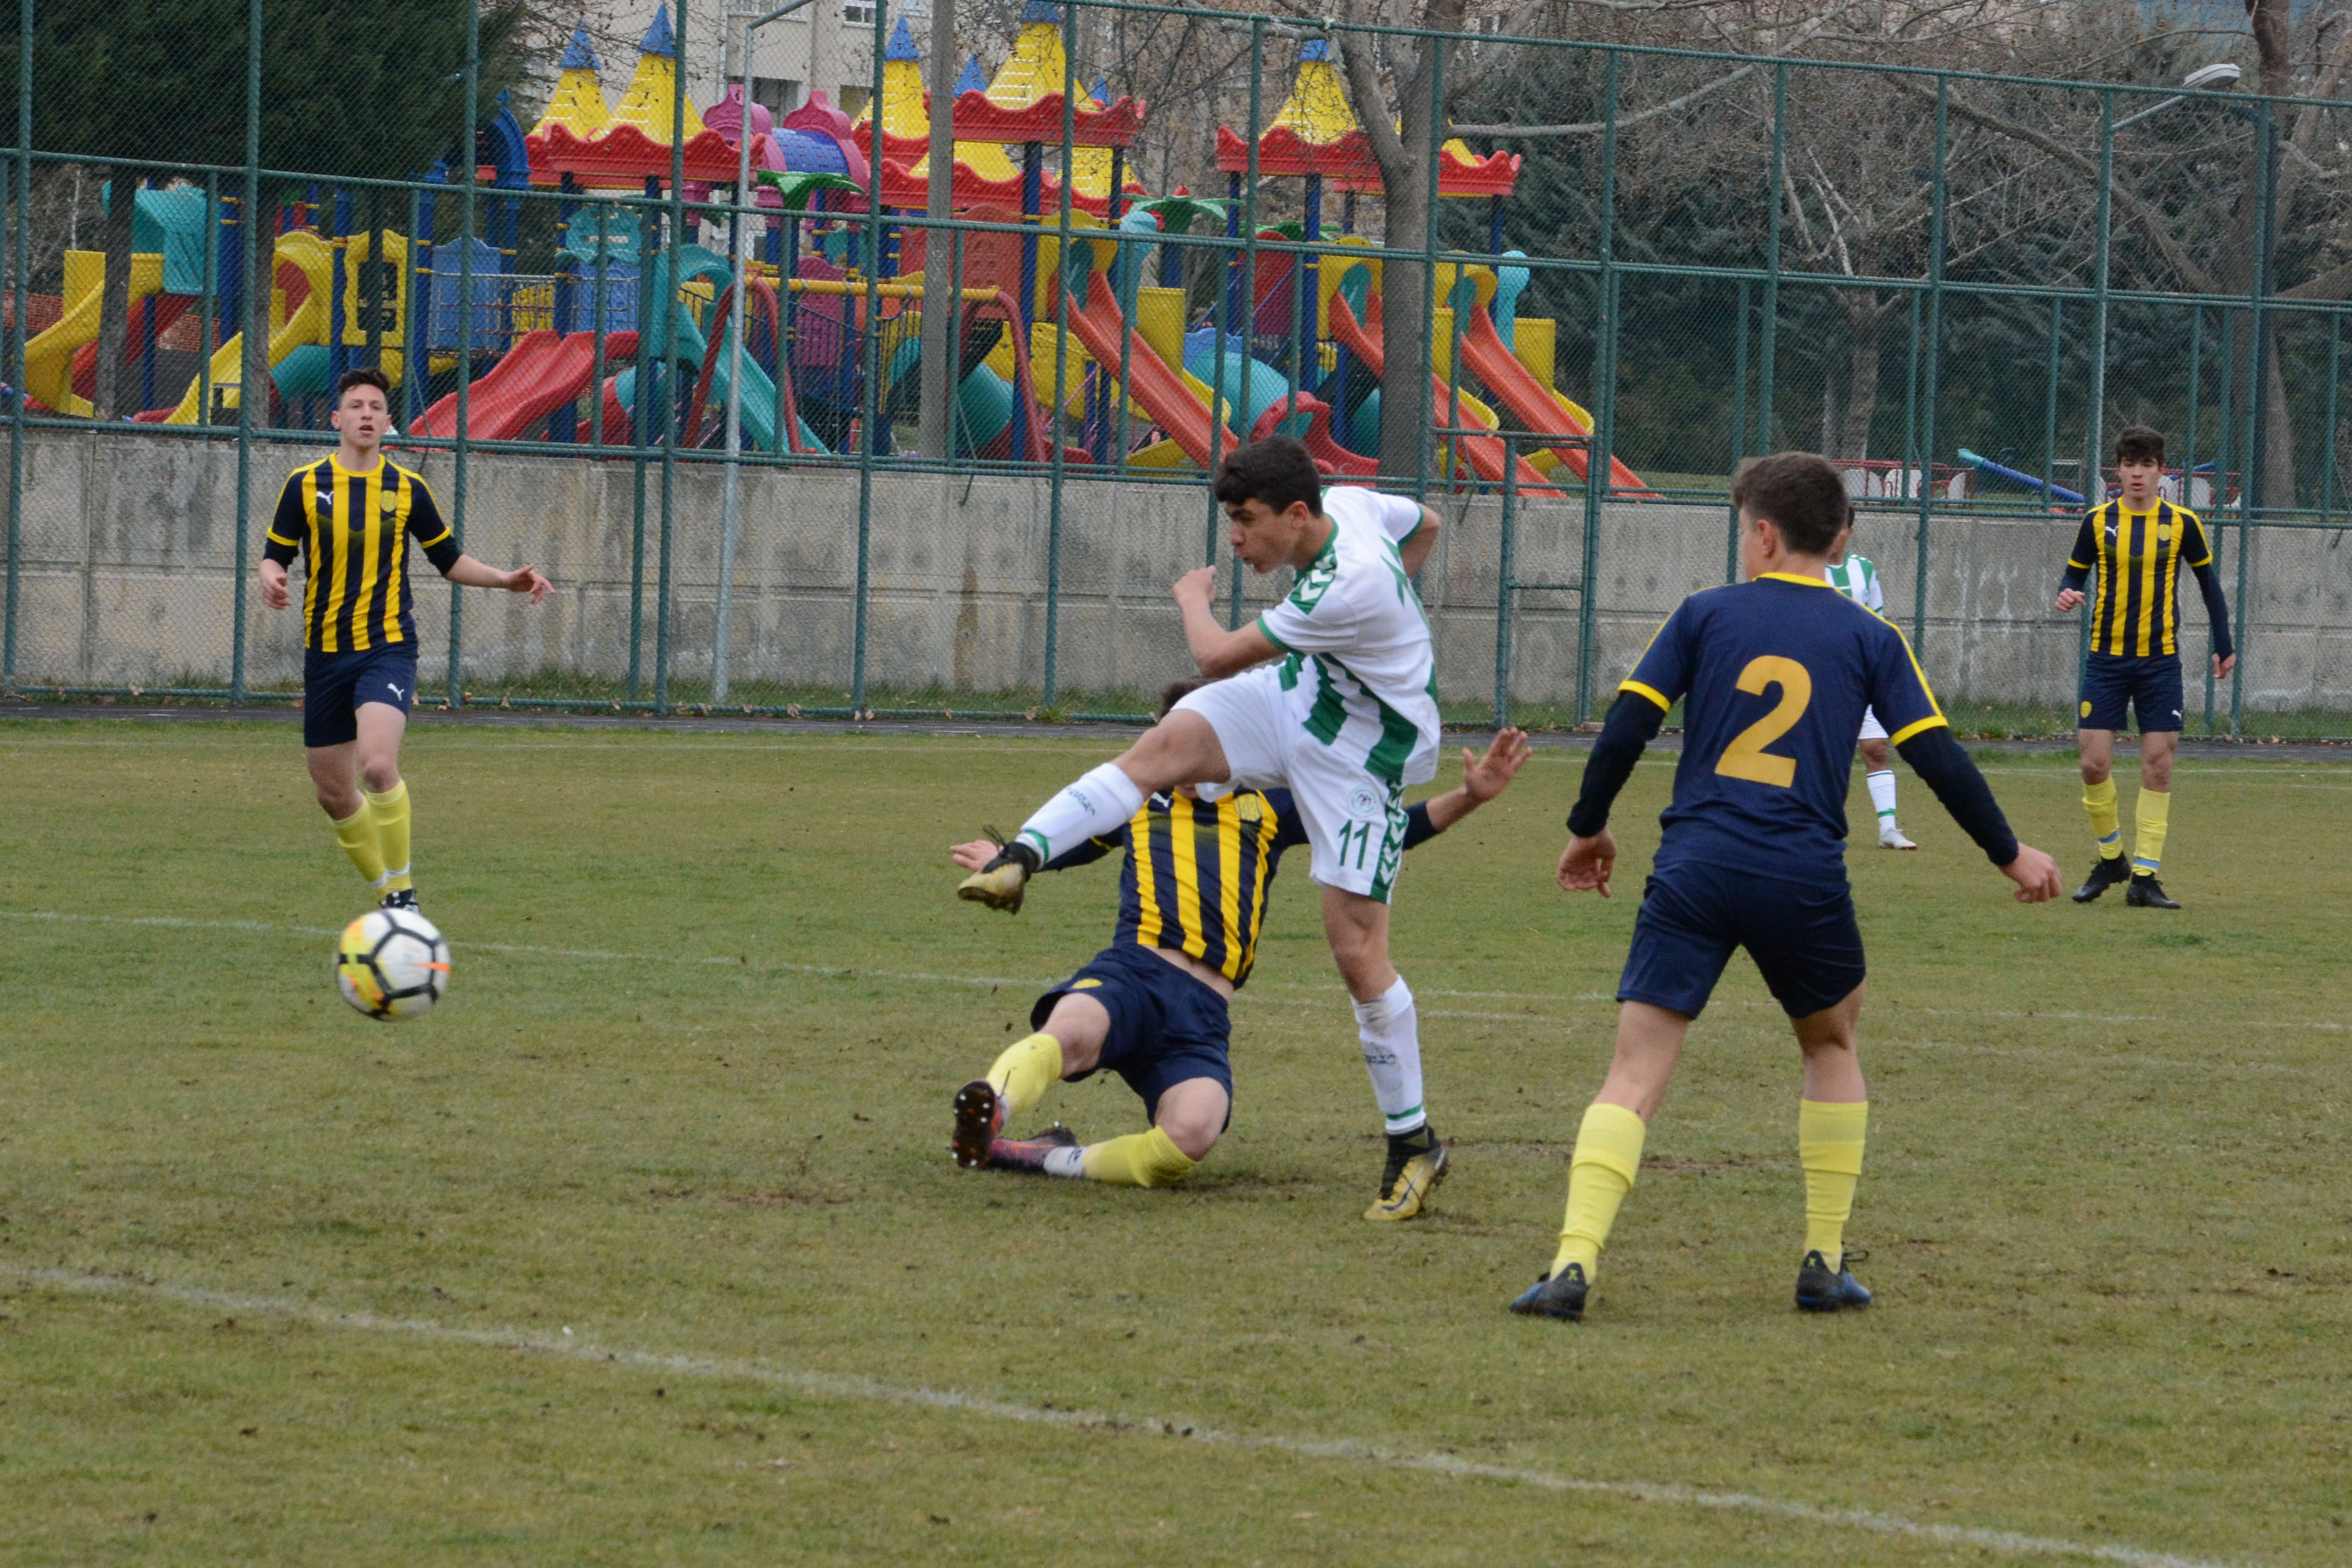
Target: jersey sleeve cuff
(1268, 632)
(1649, 691)
(1919, 727)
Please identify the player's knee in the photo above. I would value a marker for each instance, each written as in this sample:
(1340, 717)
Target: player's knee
(2094, 770)
(379, 773)
(1194, 1129)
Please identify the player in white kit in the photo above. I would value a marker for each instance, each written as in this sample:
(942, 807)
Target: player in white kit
(1332, 694)
(1857, 579)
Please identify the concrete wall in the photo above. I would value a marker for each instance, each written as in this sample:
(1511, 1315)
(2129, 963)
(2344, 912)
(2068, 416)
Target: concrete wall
(128, 568)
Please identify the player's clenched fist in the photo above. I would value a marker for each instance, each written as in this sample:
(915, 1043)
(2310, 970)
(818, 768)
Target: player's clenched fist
(1195, 587)
(1586, 863)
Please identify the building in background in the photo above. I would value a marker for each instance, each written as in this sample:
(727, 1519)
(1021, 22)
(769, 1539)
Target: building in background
(827, 46)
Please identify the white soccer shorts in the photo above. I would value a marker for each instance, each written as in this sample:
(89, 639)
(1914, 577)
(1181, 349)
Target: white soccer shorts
(1871, 730)
(1354, 822)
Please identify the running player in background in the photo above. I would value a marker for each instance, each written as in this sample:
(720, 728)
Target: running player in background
(1151, 1007)
(1773, 675)
(2138, 542)
(1345, 721)
(1857, 579)
(351, 514)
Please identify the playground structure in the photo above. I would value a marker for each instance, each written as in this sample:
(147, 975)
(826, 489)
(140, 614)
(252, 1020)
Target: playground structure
(624, 340)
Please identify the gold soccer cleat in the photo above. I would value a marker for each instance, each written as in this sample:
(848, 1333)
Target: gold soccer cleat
(1001, 883)
(1412, 1174)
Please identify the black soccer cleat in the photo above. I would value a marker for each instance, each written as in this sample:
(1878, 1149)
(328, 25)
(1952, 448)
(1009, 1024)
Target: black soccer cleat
(1559, 1295)
(1028, 1154)
(2146, 893)
(979, 1115)
(1821, 1289)
(2110, 870)
(404, 899)
(1001, 883)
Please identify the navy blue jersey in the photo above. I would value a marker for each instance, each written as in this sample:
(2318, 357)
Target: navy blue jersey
(1773, 676)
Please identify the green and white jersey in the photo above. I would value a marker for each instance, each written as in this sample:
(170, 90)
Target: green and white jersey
(1857, 579)
(1363, 673)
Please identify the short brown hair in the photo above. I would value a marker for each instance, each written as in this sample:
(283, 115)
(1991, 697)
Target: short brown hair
(2139, 443)
(1802, 495)
(1276, 470)
(1177, 691)
(362, 375)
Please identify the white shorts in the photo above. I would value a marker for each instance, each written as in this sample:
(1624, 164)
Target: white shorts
(1871, 730)
(1354, 822)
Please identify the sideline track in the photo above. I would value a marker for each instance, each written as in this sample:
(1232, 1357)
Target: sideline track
(829, 1386)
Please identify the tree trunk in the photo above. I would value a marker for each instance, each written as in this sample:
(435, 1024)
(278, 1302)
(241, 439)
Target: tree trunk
(260, 275)
(1862, 317)
(115, 297)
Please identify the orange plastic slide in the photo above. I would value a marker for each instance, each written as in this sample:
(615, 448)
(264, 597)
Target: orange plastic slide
(1485, 453)
(1174, 406)
(540, 375)
(1531, 403)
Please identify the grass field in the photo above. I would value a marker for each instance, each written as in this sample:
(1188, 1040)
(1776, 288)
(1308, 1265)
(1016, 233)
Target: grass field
(645, 1248)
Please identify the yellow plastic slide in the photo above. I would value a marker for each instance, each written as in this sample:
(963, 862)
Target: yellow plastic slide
(307, 325)
(48, 358)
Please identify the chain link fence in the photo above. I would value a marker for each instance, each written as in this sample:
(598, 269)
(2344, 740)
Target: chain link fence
(665, 339)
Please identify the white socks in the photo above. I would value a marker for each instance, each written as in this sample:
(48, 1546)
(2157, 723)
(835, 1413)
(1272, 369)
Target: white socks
(1389, 1028)
(1099, 803)
(1882, 794)
(1070, 1161)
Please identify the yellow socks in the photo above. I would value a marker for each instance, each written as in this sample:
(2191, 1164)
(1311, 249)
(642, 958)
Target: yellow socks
(1140, 1159)
(1600, 1175)
(2107, 823)
(2153, 815)
(1026, 1069)
(1829, 1141)
(357, 835)
(388, 811)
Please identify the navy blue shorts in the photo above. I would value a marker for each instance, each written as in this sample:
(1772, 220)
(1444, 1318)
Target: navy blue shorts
(1166, 1028)
(2151, 687)
(335, 684)
(1802, 936)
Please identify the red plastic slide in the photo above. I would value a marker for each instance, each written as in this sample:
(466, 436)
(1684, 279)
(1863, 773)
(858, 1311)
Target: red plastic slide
(1174, 406)
(538, 375)
(1514, 386)
(1485, 453)
(168, 309)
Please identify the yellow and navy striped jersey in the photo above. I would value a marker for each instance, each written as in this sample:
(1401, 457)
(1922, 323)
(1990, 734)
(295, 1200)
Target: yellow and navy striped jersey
(2140, 554)
(1198, 872)
(354, 527)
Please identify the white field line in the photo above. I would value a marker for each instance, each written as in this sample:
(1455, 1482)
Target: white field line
(1327, 997)
(832, 1385)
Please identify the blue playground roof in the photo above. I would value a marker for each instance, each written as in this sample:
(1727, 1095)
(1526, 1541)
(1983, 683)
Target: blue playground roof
(578, 54)
(659, 39)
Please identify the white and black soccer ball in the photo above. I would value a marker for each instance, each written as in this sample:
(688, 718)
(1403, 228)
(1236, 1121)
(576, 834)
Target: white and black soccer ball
(392, 964)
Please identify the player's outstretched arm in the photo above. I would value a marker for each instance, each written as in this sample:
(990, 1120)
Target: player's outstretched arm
(1940, 760)
(1592, 855)
(1218, 652)
(472, 573)
(1483, 778)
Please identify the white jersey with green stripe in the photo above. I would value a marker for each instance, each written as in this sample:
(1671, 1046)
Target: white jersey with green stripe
(1363, 673)
(1857, 579)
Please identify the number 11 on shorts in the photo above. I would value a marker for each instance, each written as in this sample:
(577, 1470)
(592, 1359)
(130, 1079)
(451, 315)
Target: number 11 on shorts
(1364, 836)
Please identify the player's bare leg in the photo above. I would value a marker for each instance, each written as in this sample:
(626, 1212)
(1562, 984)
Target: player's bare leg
(1833, 1120)
(2097, 747)
(359, 787)
(1878, 777)
(1388, 1024)
(1182, 749)
(1608, 1154)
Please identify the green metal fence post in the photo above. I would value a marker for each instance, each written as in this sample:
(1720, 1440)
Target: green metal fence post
(1937, 195)
(257, 320)
(2328, 463)
(2095, 484)
(2224, 454)
(1058, 458)
(1767, 350)
(641, 406)
(1738, 439)
(21, 262)
(1245, 214)
(470, 158)
(208, 303)
(1604, 388)
(1503, 571)
(2050, 404)
(1911, 463)
(871, 406)
(2251, 493)
(669, 307)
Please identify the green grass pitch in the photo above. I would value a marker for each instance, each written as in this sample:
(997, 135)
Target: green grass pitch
(645, 1248)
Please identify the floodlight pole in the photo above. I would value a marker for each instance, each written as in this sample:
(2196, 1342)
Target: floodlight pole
(731, 510)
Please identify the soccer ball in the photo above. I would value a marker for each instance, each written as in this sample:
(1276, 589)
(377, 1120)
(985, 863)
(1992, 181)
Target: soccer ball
(392, 964)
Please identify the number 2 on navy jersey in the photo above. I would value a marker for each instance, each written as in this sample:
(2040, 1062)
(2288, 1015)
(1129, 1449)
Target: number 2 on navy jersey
(1745, 757)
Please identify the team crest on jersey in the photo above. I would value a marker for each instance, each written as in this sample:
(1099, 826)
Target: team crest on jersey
(1251, 809)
